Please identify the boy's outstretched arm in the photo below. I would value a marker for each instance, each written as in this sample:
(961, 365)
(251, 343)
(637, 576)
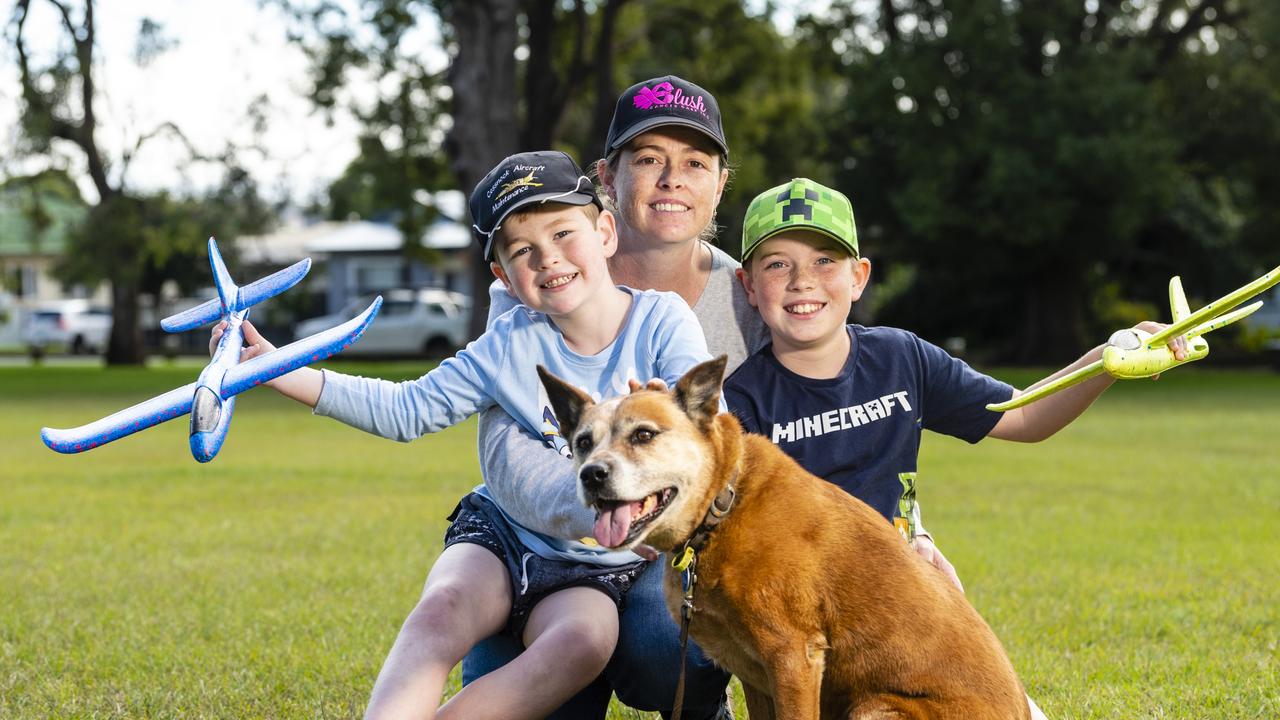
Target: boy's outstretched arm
(1046, 416)
(303, 384)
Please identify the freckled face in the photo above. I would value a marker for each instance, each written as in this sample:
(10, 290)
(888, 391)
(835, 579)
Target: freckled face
(666, 184)
(553, 260)
(804, 284)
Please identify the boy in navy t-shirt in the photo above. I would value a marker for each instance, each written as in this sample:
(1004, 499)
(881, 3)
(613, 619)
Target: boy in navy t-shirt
(850, 402)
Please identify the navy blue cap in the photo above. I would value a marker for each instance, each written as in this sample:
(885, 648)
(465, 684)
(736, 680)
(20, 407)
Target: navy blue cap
(522, 179)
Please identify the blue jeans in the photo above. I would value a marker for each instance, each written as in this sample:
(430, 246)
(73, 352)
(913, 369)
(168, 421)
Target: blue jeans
(644, 667)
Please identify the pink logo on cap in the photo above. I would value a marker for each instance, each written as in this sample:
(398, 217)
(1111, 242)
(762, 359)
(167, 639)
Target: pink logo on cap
(662, 95)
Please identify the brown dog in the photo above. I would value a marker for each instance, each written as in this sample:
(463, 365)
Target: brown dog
(805, 593)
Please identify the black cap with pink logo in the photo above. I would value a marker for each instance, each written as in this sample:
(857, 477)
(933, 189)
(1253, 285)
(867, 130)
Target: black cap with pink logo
(667, 100)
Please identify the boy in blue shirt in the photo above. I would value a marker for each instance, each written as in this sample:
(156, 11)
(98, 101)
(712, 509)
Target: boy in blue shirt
(547, 238)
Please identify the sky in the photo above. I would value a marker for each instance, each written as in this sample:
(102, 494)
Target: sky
(228, 53)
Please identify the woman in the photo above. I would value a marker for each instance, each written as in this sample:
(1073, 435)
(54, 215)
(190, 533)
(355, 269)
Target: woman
(664, 171)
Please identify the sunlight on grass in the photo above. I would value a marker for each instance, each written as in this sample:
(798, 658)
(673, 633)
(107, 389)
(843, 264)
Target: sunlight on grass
(1130, 564)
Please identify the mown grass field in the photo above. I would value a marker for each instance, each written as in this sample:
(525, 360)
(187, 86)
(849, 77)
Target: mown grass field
(1131, 564)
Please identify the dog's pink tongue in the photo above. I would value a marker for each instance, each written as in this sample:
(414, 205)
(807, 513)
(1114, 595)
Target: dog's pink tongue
(612, 524)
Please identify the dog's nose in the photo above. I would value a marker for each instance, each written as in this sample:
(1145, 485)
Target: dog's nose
(593, 476)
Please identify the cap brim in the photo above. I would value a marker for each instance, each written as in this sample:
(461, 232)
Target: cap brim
(799, 226)
(660, 121)
(573, 198)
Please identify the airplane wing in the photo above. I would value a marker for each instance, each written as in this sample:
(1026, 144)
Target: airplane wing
(273, 284)
(202, 314)
(315, 348)
(1035, 393)
(126, 422)
(1224, 320)
(1213, 309)
(249, 295)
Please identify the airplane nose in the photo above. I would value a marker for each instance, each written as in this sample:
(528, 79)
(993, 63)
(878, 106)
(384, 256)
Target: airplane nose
(204, 446)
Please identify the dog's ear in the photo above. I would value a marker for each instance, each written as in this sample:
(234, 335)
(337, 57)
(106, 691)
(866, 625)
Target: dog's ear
(567, 402)
(698, 392)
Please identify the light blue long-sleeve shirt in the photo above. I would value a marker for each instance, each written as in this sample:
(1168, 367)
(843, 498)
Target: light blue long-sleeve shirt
(661, 338)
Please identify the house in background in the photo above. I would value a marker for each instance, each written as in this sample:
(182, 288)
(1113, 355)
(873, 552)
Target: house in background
(351, 258)
(360, 257)
(37, 214)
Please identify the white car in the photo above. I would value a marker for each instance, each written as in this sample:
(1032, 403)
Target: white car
(428, 322)
(73, 325)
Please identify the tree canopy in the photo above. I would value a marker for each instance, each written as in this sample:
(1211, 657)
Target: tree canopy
(1025, 175)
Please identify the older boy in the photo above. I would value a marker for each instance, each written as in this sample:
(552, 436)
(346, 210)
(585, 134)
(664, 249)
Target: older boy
(547, 239)
(849, 402)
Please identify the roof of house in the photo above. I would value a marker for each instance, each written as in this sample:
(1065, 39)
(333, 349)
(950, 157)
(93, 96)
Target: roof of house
(294, 242)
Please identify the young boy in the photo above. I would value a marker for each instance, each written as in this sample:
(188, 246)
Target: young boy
(547, 239)
(849, 402)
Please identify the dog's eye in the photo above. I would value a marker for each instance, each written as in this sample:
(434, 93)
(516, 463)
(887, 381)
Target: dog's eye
(582, 445)
(642, 436)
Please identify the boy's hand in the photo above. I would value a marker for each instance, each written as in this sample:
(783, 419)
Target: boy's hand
(255, 344)
(926, 549)
(1177, 345)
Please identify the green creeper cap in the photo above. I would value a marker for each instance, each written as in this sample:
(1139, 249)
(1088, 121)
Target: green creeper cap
(801, 204)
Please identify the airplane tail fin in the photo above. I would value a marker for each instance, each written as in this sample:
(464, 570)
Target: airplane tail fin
(228, 292)
(1178, 299)
(247, 296)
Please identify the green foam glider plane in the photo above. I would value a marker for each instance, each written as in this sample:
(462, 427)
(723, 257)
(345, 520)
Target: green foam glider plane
(1132, 353)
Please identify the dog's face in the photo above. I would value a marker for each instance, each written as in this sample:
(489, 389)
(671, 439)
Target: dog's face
(644, 460)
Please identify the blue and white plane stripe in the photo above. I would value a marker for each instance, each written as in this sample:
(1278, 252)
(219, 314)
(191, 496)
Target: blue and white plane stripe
(211, 398)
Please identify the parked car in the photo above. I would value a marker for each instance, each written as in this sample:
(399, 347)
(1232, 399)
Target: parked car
(72, 325)
(429, 322)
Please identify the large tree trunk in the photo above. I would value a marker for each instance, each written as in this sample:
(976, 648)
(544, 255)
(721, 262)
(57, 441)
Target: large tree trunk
(606, 92)
(42, 109)
(125, 346)
(117, 225)
(485, 130)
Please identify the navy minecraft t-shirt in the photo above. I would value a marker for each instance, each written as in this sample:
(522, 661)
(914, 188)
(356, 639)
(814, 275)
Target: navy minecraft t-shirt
(861, 430)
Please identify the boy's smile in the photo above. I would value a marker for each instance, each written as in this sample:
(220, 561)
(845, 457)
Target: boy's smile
(559, 281)
(804, 284)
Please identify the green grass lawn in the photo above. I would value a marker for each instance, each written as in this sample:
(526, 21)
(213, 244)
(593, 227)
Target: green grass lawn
(1131, 565)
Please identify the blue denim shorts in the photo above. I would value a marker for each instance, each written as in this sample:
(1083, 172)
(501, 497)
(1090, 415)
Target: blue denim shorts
(478, 521)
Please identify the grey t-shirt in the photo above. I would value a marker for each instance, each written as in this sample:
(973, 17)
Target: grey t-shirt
(729, 322)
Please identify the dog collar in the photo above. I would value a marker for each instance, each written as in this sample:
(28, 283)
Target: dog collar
(720, 507)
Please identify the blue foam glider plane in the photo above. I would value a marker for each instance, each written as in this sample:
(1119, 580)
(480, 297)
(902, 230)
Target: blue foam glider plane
(212, 397)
